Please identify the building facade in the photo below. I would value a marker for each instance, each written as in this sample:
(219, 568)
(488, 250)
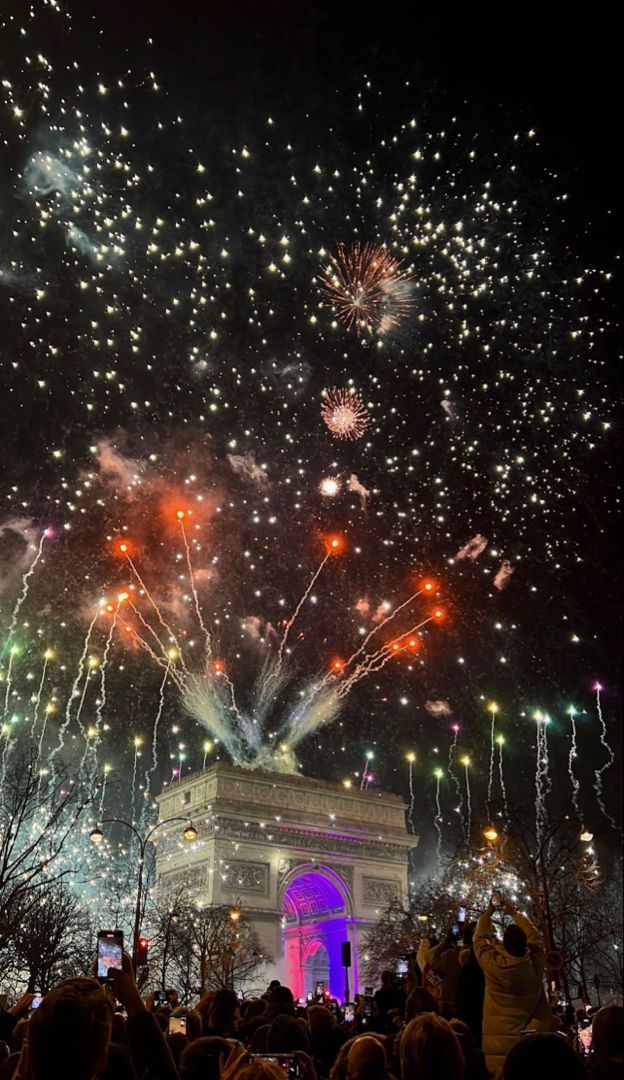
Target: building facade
(312, 863)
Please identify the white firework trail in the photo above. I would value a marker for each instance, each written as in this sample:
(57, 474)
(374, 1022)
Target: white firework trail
(74, 690)
(599, 773)
(161, 705)
(157, 610)
(576, 784)
(137, 743)
(103, 791)
(410, 810)
(293, 617)
(5, 728)
(364, 780)
(438, 816)
(25, 586)
(468, 803)
(501, 778)
(540, 752)
(492, 754)
(383, 623)
(451, 771)
(47, 656)
(189, 564)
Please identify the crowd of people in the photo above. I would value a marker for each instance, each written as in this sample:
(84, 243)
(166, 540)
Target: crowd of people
(469, 1008)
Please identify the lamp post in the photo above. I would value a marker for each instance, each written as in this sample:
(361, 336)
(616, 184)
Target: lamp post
(96, 836)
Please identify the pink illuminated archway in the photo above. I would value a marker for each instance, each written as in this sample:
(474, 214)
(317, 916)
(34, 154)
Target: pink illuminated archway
(316, 919)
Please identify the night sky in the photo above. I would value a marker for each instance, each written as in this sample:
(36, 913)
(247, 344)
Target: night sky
(175, 181)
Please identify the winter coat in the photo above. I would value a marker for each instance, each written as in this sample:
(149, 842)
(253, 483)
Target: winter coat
(431, 981)
(444, 960)
(514, 990)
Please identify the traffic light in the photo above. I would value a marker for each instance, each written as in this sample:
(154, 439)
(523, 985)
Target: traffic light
(142, 947)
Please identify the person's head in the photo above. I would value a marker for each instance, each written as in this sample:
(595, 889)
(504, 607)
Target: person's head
(366, 1059)
(339, 1068)
(20, 1031)
(193, 1021)
(287, 1034)
(514, 940)
(420, 1001)
(273, 985)
(320, 1019)
(387, 979)
(224, 1011)
(70, 1031)
(608, 1031)
(542, 1056)
(281, 995)
(429, 1047)
(260, 1070)
(254, 1007)
(200, 1058)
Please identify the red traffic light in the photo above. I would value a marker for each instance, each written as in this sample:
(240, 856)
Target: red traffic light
(142, 947)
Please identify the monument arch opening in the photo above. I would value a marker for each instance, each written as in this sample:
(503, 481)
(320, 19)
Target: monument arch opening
(317, 917)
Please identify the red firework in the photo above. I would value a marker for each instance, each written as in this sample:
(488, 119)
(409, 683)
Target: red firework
(345, 413)
(367, 287)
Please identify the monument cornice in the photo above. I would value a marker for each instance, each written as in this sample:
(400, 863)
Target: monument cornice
(292, 800)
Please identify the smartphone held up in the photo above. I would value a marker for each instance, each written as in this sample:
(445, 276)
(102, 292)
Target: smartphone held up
(109, 952)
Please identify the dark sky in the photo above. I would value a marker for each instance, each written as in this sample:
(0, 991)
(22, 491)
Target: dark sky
(226, 67)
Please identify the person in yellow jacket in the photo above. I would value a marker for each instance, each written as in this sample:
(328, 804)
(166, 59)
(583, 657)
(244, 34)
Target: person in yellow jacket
(515, 1000)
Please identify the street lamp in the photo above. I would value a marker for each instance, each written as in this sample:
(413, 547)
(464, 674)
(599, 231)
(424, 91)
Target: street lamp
(490, 834)
(96, 836)
(586, 836)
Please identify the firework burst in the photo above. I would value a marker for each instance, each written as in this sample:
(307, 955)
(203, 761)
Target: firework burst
(345, 413)
(329, 486)
(367, 287)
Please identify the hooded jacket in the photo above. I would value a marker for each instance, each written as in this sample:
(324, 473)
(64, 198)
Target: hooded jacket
(514, 990)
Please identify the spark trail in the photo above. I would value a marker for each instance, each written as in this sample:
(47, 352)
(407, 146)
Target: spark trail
(411, 758)
(161, 705)
(205, 631)
(501, 742)
(293, 617)
(599, 773)
(25, 586)
(492, 753)
(466, 764)
(76, 683)
(576, 784)
(124, 549)
(438, 815)
(47, 656)
(451, 771)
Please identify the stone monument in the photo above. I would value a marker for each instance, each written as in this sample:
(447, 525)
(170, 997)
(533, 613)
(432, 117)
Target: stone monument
(312, 863)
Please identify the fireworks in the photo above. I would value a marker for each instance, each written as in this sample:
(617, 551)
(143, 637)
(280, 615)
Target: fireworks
(164, 303)
(329, 486)
(367, 287)
(345, 413)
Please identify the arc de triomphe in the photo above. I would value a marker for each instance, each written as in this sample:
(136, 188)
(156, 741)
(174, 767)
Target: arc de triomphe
(312, 863)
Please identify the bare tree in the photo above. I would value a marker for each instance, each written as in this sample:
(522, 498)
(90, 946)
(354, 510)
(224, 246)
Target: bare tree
(197, 948)
(52, 940)
(554, 877)
(39, 810)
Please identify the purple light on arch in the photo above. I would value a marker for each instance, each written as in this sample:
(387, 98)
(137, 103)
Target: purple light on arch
(315, 904)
